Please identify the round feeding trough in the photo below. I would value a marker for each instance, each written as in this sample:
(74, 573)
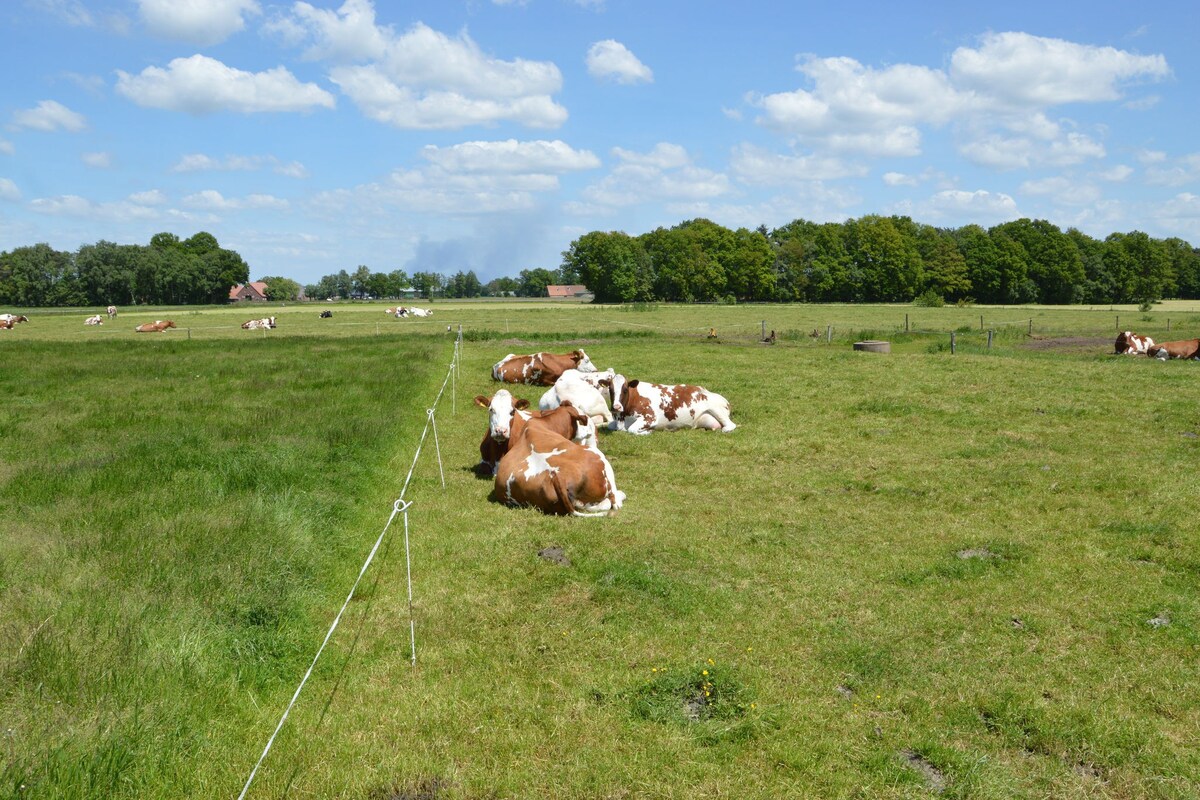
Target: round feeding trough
(872, 346)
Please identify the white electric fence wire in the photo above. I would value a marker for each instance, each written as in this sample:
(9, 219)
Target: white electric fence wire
(337, 619)
(399, 506)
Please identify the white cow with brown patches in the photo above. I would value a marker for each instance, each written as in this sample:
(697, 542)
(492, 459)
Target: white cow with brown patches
(93, 320)
(640, 407)
(1131, 344)
(590, 392)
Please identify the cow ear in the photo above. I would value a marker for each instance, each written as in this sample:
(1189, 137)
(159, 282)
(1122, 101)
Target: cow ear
(521, 403)
(483, 402)
(578, 355)
(568, 403)
(633, 383)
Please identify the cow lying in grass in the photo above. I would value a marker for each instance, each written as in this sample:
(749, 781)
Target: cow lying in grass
(640, 407)
(1185, 348)
(93, 320)
(590, 392)
(1131, 344)
(259, 324)
(326, 314)
(158, 326)
(544, 469)
(540, 369)
(13, 319)
(508, 414)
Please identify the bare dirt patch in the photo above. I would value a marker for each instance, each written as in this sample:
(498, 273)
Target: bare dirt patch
(427, 789)
(1091, 345)
(555, 555)
(935, 779)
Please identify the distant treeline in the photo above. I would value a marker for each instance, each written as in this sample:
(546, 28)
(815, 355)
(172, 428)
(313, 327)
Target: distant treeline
(168, 271)
(365, 283)
(881, 259)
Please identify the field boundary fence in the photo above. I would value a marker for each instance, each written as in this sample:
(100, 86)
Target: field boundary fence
(400, 507)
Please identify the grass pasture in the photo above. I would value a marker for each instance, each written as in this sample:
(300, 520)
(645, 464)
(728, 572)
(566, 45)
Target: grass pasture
(971, 575)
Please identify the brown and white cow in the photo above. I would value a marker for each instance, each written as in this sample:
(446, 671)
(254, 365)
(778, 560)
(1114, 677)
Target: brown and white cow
(158, 326)
(540, 369)
(545, 470)
(1185, 348)
(1131, 344)
(6, 324)
(112, 312)
(13, 319)
(509, 416)
(93, 320)
(640, 407)
(259, 324)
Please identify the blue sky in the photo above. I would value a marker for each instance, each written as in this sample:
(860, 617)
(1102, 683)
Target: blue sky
(488, 134)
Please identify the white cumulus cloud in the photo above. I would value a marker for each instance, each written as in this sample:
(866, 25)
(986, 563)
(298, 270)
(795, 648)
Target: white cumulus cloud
(1025, 70)
(198, 22)
(201, 85)
(48, 116)
(511, 156)
(212, 200)
(9, 190)
(422, 78)
(757, 166)
(97, 160)
(611, 59)
(665, 174)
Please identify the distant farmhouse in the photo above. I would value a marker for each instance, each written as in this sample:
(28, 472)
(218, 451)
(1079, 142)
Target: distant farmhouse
(571, 290)
(253, 292)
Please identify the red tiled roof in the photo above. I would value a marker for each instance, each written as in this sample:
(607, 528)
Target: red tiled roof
(565, 290)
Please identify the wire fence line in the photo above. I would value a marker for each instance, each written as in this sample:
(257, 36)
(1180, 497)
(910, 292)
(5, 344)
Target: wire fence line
(399, 507)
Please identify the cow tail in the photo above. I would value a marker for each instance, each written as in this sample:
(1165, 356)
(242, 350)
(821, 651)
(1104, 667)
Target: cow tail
(564, 494)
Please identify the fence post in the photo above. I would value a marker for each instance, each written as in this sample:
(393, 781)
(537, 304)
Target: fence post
(828, 334)
(989, 347)
(189, 334)
(952, 348)
(1118, 323)
(906, 323)
(1168, 324)
(1031, 326)
(981, 322)
(764, 330)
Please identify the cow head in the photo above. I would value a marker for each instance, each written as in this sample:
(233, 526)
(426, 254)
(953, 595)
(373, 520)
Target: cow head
(501, 406)
(582, 362)
(168, 324)
(620, 392)
(271, 321)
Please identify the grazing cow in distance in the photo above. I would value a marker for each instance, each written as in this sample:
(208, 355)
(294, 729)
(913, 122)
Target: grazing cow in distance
(93, 320)
(1185, 348)
(259, 324)
(590, 392)
(1131, 344)
(539, 369)
(640, 407)
(546, 470)
(13, 318)
(158, 326)
(326, 314)
(112, 312)
(508, 416)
